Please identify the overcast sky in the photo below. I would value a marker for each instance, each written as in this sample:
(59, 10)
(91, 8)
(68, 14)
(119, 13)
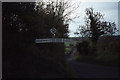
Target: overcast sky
(108, 8)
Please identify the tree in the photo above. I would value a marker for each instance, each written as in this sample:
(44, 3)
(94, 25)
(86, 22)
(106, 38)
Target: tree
(22, 24)
(95, 26)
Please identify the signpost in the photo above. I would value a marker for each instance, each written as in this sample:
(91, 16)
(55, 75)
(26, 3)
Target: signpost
(53, 31)
(53, 40)
(57, 40)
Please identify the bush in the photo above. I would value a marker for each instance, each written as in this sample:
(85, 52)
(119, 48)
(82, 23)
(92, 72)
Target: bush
(83, 47)
(106, 51)
(109, 48)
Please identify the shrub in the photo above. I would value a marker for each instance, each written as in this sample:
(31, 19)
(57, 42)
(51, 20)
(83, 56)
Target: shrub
(83, 47)
(109, 47)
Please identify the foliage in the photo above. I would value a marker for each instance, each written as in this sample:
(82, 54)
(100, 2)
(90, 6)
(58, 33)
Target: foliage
(107, 52)
(23, 22)
(95, 26)
(83, 48)
(109, 45)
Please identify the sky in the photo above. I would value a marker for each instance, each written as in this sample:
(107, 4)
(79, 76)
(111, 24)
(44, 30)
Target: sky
(108, 8)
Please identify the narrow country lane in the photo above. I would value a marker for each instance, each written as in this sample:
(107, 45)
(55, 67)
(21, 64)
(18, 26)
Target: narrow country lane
(85, 70)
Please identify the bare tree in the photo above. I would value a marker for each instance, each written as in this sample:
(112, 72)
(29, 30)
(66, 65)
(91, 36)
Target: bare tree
(95, 26)
(60, 8)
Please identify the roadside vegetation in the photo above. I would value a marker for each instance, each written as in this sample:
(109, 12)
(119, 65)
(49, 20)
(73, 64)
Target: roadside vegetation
(107, 53)
(23, 22)
(102, 46)
(68, 47)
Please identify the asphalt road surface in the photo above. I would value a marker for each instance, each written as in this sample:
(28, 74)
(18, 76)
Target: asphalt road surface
(84, 70)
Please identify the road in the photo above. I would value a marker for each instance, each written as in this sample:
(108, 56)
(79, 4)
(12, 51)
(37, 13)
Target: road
(70, 58)
(85, 70)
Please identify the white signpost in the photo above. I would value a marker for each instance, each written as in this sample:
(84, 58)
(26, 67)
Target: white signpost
(53, 40)
(56, 40)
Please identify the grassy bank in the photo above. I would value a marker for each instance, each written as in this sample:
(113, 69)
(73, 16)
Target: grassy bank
(108, 50)
(108, 60)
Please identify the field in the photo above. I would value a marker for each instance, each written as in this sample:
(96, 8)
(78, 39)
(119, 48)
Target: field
(68, 46)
